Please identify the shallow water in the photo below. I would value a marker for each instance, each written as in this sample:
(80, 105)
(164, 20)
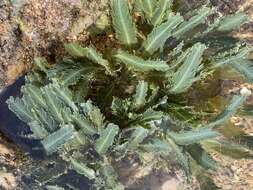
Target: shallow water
(10, 125)
(38, 168)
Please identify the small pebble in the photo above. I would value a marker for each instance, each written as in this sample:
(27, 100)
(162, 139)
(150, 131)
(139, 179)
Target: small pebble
(245, 92)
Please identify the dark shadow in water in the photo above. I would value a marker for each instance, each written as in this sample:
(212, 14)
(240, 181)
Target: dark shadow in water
(15, 130)
(12, 127)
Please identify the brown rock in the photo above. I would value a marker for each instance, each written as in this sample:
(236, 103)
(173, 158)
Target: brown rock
(31, 28)
(7, 181)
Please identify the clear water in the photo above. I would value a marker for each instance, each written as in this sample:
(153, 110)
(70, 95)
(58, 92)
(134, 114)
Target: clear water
(40, 168)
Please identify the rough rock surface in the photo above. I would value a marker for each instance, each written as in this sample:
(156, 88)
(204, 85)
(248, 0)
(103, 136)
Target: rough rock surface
(10, 158)
(30, 28)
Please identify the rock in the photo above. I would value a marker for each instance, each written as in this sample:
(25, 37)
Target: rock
(245, 92)
(7, 181)
(7, 159)
(31, 28)
(171, 184)
(7, 154)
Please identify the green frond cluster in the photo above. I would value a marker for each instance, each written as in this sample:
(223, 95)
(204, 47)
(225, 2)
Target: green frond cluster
(106, 138)
(187, 138)
(90, 53)
(161, 11)
(158, 36)
(193, 22)
(237, 58)
(232, 22)
(138, 64)
(141, 94)
(93, 109)
(147, 7)
(188, 72)
(230, 110)
(123, 22)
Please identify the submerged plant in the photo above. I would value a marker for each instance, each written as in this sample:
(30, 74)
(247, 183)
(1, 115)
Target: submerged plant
(95, 109)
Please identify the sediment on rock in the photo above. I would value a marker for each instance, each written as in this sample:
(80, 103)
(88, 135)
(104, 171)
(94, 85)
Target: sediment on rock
(31, 28)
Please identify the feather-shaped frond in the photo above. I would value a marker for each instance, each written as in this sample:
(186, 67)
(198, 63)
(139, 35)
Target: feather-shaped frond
(111, 177)
(54, 141)
(45, 175)
(71, 73)
(106, 138)
(53, 102)
(238, 59)
(234, 55)
(35, 94)
(97, 117)
(157, 38)
(123, 22)
(192, 137)
(231, 22)
(181, 157)
(71, 76)
(137, 137)
(160, 102)
(138, 64)
(138, 7)
(50, 106)
(119, 107)
(211, 26)
(84, 124)
(66, 114)
(147, 116)
(147, 7)
(82, 169)
(231, 109)
(228, 148)
(140, 94)
(54, 187)
(39, 132)
(42, 64)
(80, 140)
(177, 50)
(82, 89)
(20, 108)
(75, 49)
(153, 95)
(44, 119)
(157, 145)
(201, 156)
(35, 113)
(185, 76)
(163, 6)
(245, 67)
(181, 57)
(90, 53)
(94, 113)
(63, 93)
(194, 21)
